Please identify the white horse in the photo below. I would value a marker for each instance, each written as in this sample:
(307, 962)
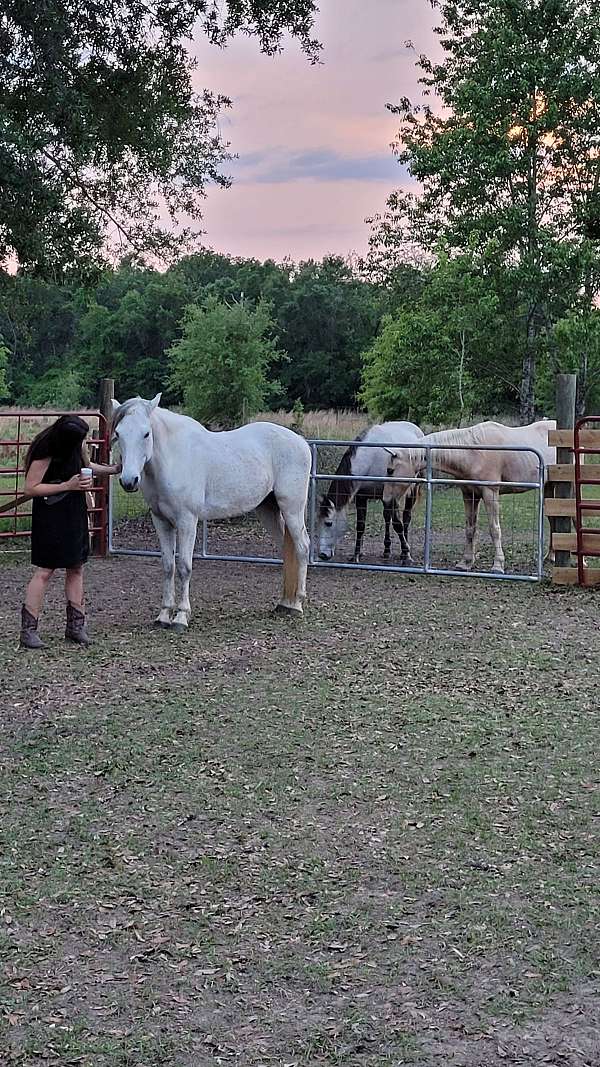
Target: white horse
(479, 465)
(188, 473)
(363, 463)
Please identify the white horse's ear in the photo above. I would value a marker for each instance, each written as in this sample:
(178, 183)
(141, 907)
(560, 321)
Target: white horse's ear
(154, 403)
(115, 405)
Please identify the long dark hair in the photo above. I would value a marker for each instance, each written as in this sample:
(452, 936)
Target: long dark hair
(62, 440)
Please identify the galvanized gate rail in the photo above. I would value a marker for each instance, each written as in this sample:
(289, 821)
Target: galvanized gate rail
(429, 480)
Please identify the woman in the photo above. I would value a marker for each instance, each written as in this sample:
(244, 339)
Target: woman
(59, 526)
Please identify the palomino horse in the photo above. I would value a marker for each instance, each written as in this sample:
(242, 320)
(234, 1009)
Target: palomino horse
(362, 463)
(479, 465)
(188, 473)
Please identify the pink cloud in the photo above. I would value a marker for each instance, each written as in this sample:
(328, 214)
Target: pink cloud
(287, 113)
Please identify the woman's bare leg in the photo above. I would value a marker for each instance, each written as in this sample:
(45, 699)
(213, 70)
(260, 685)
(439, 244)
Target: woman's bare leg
(74, 586)
(36, 590)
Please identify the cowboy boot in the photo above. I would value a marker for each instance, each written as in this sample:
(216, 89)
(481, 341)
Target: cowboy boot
(75, 630)
(29, 637)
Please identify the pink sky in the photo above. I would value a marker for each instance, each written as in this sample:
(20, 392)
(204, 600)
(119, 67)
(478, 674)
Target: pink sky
(313, 141)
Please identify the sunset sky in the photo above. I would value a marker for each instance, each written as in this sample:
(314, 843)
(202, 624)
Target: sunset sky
(313, 141)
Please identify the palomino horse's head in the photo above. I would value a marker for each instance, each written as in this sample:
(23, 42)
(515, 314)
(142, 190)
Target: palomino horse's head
(132, 432)
(333, 524)
(401, 463)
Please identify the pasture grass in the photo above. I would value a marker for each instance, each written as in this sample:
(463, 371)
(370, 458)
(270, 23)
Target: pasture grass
(366, 839)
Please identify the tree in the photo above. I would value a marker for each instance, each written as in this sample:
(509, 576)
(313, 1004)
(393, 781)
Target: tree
(426, 364)
(574, 347)
(127, 327)
(101, 132)
(512, 154)
(37, 322)
(220, 364)
(3, 365)
(327, 318)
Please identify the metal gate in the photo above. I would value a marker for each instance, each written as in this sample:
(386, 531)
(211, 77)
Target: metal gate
(17, 430)
(431, 482)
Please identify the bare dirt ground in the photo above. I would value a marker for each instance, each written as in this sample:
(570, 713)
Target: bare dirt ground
(367, 838)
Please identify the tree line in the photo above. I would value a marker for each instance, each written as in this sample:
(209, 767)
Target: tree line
(227, 337)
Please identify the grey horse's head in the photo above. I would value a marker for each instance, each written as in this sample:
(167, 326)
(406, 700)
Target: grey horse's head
(332, 526)
(132, 432)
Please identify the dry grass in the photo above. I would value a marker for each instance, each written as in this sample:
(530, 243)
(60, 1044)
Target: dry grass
(324, 425)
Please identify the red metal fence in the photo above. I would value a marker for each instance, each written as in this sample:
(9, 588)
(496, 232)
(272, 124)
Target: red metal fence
(17, 430)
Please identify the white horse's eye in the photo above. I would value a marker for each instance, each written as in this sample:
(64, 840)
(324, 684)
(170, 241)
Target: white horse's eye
(147, 434)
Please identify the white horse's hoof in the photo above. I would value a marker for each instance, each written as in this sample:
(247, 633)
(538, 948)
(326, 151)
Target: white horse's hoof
(285, 609)
(498, 568)
(462, 566)
(159, 624)
(178, 628)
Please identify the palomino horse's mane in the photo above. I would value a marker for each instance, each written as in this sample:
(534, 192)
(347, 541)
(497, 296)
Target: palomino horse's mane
(461, 435)
(477, 436)
(339, 494)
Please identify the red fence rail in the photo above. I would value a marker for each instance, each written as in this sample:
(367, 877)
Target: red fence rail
(14, 442)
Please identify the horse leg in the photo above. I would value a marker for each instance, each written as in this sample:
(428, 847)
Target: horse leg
(166, 536)
(296, 550)
(549, 493)
(361, 504)
(491, 499)
(388, 508)
(402, 526)
(471, 502)
(186, 539)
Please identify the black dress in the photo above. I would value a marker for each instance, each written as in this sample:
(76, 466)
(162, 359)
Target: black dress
(59, 524)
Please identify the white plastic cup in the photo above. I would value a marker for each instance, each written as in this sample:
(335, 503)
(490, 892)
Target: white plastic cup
(86, 472)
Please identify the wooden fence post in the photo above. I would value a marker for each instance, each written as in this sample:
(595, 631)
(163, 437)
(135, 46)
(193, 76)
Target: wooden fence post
(566, 394)
(106, 396)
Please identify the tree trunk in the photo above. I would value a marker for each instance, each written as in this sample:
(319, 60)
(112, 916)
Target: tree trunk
(461, 369)
(527, 405)
(527, 391)
(582, 385)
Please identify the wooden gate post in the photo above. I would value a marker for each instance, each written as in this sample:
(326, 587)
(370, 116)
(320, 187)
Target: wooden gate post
(106, 395)
(566, 394)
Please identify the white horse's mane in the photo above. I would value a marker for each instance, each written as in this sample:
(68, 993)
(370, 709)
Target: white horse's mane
(168, 419)
(125, 409)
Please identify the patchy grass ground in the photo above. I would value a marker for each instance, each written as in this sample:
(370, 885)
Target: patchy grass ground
(366, 839)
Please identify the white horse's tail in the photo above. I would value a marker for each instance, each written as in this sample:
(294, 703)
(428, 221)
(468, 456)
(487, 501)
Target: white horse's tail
(291, 569)
(272, 519)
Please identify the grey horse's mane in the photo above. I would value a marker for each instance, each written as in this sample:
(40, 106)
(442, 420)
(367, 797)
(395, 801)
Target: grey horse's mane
(125, 409)
(339, 494)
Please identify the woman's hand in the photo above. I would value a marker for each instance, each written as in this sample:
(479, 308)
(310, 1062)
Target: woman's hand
(78, 484)
(106, 468)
